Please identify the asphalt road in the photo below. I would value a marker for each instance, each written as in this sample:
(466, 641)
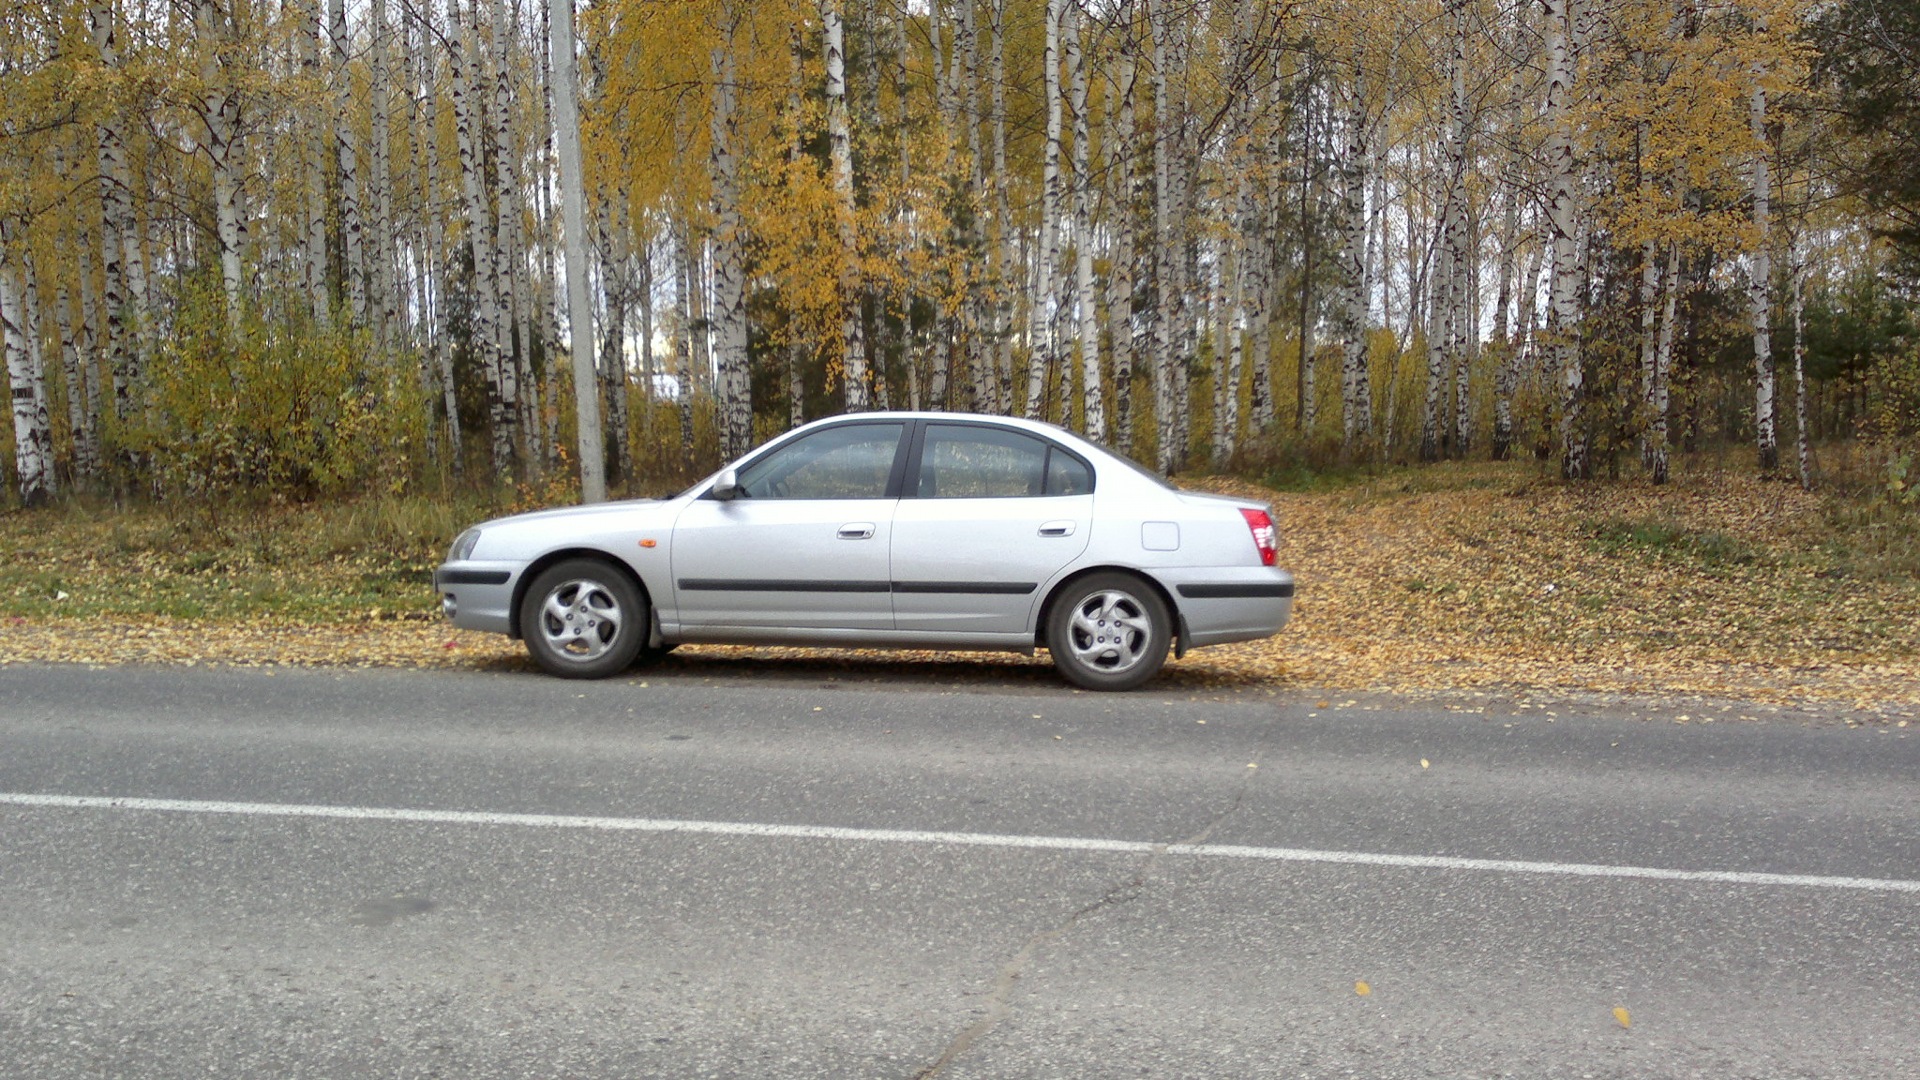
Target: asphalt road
(699, 873)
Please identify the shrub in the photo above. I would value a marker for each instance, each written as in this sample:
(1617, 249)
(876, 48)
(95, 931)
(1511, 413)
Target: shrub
(273, 406)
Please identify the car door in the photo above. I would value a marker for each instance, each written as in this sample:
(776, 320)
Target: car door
(806, 543)
(988, 515)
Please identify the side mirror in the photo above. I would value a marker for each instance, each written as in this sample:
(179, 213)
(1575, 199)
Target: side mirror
(726, 486)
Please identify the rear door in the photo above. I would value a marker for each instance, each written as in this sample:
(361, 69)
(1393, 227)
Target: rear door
(988, 514)
(807, 542)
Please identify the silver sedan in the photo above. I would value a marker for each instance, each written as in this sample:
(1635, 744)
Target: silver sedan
(907, 530)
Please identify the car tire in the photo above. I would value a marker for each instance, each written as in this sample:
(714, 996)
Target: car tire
(583, 619)
(1109, 631)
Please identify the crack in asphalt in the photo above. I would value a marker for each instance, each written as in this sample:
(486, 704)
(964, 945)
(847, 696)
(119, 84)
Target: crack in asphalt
(1007, 979)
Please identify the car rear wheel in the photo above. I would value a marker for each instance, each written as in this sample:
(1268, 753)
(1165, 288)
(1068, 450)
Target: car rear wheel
(1109, 631)
(583, 619)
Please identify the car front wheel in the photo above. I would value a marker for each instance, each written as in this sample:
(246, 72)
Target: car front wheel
(1109, 632)
(582, 619)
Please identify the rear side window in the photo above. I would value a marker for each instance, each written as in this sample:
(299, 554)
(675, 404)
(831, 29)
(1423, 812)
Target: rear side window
(965, 461)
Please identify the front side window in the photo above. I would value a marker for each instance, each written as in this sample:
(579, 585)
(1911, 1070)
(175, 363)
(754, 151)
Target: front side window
(851, 461)
(964, 461)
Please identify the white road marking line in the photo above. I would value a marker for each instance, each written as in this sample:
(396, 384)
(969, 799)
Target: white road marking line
(914, 836)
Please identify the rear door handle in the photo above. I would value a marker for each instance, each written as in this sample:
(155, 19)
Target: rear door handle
(857, 530)
(1057, 528)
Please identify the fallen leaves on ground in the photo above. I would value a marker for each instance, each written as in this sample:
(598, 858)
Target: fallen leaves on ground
(1502, 580)
(1469, 577)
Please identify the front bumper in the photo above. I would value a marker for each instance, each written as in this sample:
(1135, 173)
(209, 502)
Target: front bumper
(478, 595)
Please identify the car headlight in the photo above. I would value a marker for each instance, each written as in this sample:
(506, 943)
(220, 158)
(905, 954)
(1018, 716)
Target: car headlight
(463, 546)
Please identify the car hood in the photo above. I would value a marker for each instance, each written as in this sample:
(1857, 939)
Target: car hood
(586, 512)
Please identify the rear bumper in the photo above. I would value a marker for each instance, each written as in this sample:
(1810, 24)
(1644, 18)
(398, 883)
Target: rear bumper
(1222, 604)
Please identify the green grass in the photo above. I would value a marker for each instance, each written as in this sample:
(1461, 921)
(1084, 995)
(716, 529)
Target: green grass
(230, 562)
(1657, 538)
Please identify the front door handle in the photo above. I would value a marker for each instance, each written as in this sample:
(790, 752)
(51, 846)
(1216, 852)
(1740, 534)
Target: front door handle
(857, 530)
(1057, 528)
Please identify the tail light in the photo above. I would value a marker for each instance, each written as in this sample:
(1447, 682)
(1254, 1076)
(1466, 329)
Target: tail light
(1260, 524)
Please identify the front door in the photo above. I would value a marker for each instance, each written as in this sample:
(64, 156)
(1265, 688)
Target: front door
(805, 544)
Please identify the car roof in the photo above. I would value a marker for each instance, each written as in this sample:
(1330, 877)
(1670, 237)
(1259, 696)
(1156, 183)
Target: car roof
(1036, 426)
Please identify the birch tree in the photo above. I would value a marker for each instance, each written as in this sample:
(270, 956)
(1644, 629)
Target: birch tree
(729, 285)
(573, 198)
(123, 263)
(1356, 389)
(1087, 330)
(26, 376)
(840, 148)
(347, 157)
(1123, 169)
(1563, 226)
(1760, 280)
(486, 335)
(383, 269)
(313, 139)
(220, 118)
(1041, 322)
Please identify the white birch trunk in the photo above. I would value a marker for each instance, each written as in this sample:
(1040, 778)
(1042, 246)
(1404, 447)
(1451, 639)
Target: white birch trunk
(1648, 300)
(1506, 334)
(1438, 330)
(545, 275)
(93, 339)
(1041, 355)
(313, 138)
(484, 336)
(976, 309)
(220, 114)
(901, 299)
(1529, 331)
(1663, 367)
(729, 283)
(32, 430)
(1760, 284)
(510, 263)
(74, 353)
(1005, 254)
(74, 369)
(1563, 221)
(439, 349)
(1797, 270)
(382, 256)
(1356, 394)
(1506, 380)
(119, 238)
(351, 225)
(1158, 20)
(615, 290)
(1463, 325)
(796, 136)
(649, 364)
(692, 313)
(1307, 401)
(840, 149)
(1255, 219)
(573, 198)
(1124, 197)
(1185, 164)
(1085, 309)
(947, 111)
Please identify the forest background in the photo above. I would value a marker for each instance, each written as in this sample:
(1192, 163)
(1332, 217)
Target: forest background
(258, 253)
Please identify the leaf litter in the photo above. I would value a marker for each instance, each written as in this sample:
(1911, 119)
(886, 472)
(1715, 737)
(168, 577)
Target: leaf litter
(1470, 577)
